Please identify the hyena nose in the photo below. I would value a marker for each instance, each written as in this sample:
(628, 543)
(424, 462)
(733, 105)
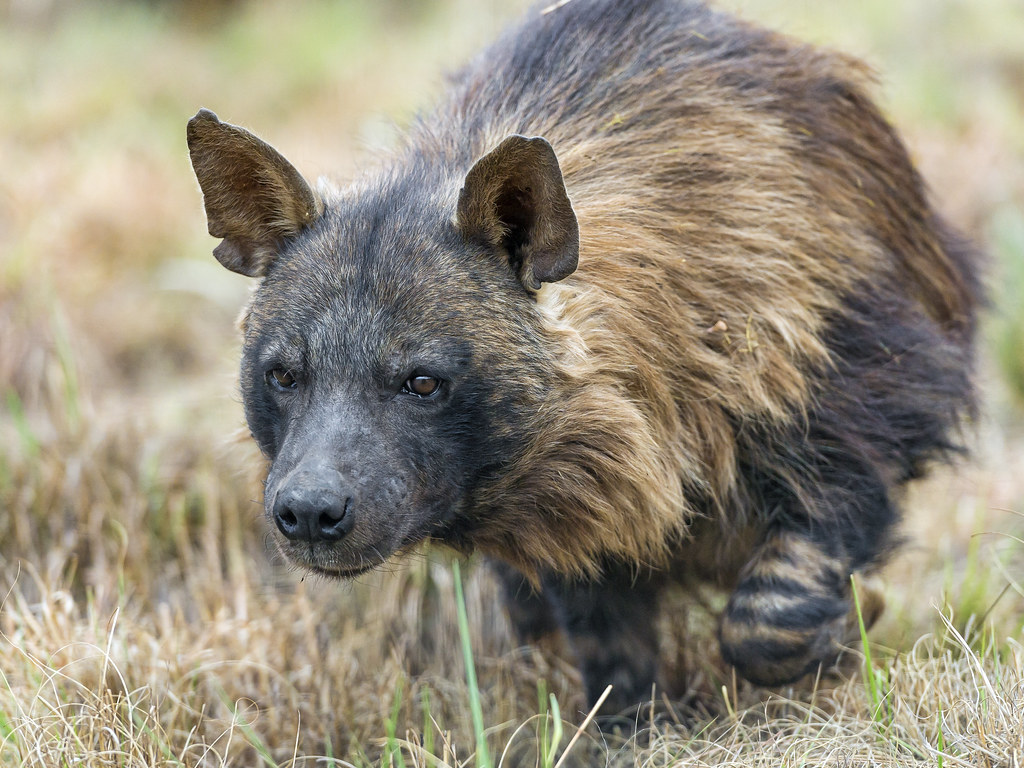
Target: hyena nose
(313, 513)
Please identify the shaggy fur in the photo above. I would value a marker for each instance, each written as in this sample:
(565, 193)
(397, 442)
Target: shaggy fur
(767, 334)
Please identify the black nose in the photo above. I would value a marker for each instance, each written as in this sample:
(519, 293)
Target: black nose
(313, 512)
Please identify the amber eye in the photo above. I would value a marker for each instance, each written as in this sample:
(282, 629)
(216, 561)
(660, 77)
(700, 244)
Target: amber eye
(422, 386)
(281, 378)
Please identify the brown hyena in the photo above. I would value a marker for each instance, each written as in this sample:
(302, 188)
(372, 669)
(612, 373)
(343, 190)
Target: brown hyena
(704, 325)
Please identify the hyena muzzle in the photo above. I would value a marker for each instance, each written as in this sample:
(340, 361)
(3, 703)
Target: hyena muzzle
(653, 294)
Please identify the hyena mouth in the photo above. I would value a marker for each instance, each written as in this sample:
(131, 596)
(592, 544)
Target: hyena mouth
(338, 572)
(322, 561)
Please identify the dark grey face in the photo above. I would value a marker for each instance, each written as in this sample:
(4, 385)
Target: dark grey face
(363, 383)
(392, 353)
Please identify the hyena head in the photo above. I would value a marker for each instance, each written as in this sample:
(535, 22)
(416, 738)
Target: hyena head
(391, 358)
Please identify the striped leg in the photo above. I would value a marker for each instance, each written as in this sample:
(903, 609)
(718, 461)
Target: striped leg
(792, 609)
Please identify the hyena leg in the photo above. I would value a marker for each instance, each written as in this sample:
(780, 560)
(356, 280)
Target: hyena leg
(611, 625)
(792, 609)
(531, 612)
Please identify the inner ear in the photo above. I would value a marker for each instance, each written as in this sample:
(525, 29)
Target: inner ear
(515, 209)
(254, 198)
(514, 198)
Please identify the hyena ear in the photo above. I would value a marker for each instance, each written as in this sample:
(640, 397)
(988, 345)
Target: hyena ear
(514, 197)
(254, 198)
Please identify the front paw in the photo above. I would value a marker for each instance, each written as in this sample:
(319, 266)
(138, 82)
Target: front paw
(776, 631)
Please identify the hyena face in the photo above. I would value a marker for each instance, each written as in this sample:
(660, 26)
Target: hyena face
(367, 393)
(391, 355)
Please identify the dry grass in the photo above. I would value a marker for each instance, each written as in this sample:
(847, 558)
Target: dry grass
(144, 620)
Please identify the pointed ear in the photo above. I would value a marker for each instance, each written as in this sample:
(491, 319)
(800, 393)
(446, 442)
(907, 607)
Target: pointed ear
(514, 198)
(254, 198)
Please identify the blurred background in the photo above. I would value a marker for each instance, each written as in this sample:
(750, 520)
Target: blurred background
(131, 533)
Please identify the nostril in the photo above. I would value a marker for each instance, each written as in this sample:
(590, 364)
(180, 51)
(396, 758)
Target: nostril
(335, 521)
(286, 521)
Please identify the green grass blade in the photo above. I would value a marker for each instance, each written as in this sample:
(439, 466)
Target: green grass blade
(66, 359)
(483, 756)
(394, 750)
(556, 732)
(28, 439)
(542, 710)
(870, 679)
(428, 725)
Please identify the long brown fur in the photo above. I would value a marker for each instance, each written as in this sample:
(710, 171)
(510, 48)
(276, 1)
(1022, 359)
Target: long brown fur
(685, 310)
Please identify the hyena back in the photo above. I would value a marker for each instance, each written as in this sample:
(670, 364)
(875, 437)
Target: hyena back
(704, 323)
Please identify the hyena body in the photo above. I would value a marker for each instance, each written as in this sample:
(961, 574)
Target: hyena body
(707, 325)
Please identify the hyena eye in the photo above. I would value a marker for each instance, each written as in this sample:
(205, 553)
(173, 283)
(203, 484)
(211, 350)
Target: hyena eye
(281, 379)
(421, 386)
